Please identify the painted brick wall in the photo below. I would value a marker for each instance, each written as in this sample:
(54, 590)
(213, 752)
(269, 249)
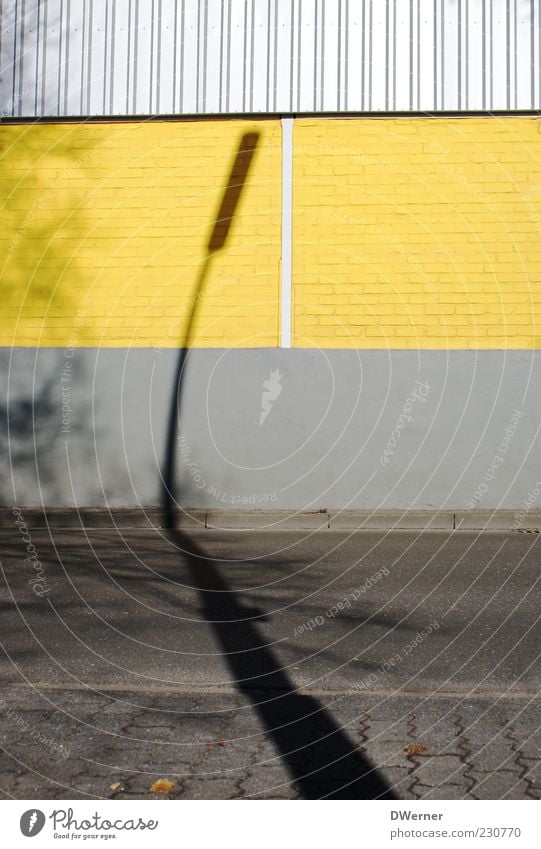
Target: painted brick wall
(104, 227)
(417, 233)
(407, 233)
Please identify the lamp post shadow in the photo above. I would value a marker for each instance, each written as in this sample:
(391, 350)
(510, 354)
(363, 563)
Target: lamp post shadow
(320, 757)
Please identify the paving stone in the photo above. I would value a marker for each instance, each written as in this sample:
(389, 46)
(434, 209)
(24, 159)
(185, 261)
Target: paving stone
(440, 770)
(270, 781)
(445, 791)
(533, 772)
(472, 752)
(398, 778)
(212, 788)
(495, 785)
(519, 790)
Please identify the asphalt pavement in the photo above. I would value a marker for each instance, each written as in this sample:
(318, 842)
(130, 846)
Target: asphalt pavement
(270, 664)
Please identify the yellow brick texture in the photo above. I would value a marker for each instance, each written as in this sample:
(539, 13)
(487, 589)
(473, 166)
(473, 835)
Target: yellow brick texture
(417, 232)
(105, 226)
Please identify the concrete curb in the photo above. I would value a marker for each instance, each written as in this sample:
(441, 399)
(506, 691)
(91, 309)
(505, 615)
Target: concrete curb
(380, 520)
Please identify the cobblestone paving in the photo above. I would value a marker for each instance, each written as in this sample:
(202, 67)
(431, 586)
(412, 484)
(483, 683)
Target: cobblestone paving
(64, 744)
(145, 653)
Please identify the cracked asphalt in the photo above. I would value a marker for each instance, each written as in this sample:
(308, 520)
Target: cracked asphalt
(270, 664)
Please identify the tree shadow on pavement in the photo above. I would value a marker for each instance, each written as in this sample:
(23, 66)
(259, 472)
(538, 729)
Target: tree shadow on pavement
(320, 757)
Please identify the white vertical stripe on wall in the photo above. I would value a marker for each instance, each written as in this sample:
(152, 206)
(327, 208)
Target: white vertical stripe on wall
(122, 57)
(286, 282)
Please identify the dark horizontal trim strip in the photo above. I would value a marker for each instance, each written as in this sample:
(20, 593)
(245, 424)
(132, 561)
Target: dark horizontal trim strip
(162, 350)
(267, 116)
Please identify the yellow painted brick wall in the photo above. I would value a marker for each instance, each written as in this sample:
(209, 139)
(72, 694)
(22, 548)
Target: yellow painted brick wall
(417, 232)
(104, 226)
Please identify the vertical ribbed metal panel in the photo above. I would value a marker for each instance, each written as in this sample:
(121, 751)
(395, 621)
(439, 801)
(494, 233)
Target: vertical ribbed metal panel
(122, 57)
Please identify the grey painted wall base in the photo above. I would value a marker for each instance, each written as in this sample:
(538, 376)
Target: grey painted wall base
(385, 430)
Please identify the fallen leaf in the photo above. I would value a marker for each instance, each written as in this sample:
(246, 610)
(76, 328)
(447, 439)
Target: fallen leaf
(415, 749)
(116, 786)
(162, 785)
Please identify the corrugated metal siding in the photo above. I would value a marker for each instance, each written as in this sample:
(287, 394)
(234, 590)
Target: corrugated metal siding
(124, 57)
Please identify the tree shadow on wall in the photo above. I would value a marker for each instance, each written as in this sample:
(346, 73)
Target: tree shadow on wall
(320, 757)
(43, 221)
(34, 466)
